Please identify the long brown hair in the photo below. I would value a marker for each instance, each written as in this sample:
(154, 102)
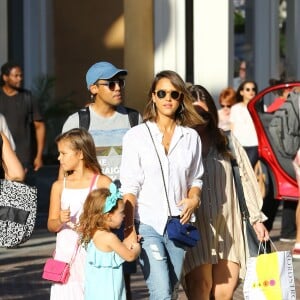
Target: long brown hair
(92, 217)
(200, 93)
(185, 114)
(81, 140)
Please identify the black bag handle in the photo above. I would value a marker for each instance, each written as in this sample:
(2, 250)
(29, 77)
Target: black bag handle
(250, 234)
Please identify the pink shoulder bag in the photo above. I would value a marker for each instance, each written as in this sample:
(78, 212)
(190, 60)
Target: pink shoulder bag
(56, 270)
(59, 271)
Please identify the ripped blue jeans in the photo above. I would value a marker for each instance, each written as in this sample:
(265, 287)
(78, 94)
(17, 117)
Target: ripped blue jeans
(161, 262)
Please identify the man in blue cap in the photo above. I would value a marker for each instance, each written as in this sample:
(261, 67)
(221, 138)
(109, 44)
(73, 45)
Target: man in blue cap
(105, 118)
(107, 121)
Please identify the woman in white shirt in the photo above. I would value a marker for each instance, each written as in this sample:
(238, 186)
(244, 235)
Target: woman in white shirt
(242, 125)
(168, 115)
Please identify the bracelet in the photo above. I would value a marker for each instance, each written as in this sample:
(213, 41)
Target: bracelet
(128, 227)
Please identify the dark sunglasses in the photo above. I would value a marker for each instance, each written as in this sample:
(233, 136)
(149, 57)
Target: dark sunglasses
(112, 84)
(228, 106)
(248, 89)
(162, 94)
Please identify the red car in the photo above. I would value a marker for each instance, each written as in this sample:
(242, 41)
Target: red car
(280, 168)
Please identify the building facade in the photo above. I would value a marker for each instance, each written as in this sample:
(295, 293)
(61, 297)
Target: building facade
(195, 38)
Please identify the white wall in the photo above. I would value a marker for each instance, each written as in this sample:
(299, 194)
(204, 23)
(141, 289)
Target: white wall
(169, 36)
(213, 44)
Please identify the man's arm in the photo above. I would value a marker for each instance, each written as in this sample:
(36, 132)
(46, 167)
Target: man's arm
(40, 132)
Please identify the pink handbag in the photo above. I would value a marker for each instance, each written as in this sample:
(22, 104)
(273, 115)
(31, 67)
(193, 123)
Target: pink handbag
(56, 271)
(59, 271)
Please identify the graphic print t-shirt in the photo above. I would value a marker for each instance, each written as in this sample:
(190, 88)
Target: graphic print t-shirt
(107, 134)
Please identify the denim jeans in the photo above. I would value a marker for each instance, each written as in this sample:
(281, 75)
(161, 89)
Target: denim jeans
(161, 261)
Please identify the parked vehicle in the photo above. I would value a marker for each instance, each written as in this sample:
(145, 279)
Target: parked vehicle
(280, 167)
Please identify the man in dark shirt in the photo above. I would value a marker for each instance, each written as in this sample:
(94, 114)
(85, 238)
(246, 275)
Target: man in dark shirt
(22, 116)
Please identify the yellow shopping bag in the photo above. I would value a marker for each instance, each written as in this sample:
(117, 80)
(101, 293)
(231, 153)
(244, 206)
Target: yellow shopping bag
(270, 276)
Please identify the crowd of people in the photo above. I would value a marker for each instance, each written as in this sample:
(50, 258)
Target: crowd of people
(124, 175)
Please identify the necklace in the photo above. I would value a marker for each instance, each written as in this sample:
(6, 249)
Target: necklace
(167, 137)
(166, 140)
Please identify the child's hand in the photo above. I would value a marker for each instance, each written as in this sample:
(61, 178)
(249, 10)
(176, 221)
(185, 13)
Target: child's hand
(65, 215)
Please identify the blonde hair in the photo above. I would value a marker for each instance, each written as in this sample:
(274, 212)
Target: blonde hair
(186, 114)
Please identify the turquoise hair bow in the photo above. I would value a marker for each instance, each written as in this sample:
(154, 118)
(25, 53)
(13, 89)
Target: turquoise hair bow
(112, 199)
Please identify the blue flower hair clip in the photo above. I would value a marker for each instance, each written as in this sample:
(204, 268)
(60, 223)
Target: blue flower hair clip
(111, 200)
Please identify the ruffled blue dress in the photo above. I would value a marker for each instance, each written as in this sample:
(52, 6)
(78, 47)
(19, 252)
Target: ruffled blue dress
(103, 275)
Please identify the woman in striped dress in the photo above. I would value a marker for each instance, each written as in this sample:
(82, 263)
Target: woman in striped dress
(213, 267)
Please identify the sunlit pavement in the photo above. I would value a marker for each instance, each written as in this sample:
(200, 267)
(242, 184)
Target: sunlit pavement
(21, 269)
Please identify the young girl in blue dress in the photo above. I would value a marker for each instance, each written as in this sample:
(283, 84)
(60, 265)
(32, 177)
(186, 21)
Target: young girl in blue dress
(103, 212)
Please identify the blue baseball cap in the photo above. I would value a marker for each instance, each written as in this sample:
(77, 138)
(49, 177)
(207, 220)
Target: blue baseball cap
(102, 70)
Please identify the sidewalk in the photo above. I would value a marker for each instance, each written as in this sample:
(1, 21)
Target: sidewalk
(21, 269)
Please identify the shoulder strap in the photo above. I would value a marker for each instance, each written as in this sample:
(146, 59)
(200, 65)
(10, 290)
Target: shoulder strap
(162, 171)
(238, 181)
(93, 182)
(133, 116)
(84, 117)
(249, 234)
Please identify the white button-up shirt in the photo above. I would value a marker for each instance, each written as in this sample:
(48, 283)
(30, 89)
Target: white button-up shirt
(141, 174)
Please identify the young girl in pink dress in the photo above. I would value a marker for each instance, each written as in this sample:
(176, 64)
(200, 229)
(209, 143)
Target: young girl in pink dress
(77, 157)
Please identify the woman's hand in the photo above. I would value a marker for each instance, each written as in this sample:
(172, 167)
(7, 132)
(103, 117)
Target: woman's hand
(261, 231)
(188, 205)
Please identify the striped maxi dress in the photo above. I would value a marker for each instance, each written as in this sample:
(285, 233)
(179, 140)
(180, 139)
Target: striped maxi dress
(218, 218)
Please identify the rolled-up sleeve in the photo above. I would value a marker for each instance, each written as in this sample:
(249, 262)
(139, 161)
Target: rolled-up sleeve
(196, 170)
(251, 190)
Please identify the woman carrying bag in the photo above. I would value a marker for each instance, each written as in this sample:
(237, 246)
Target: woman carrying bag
(161, 173)
(77, 157)
(213, 267)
